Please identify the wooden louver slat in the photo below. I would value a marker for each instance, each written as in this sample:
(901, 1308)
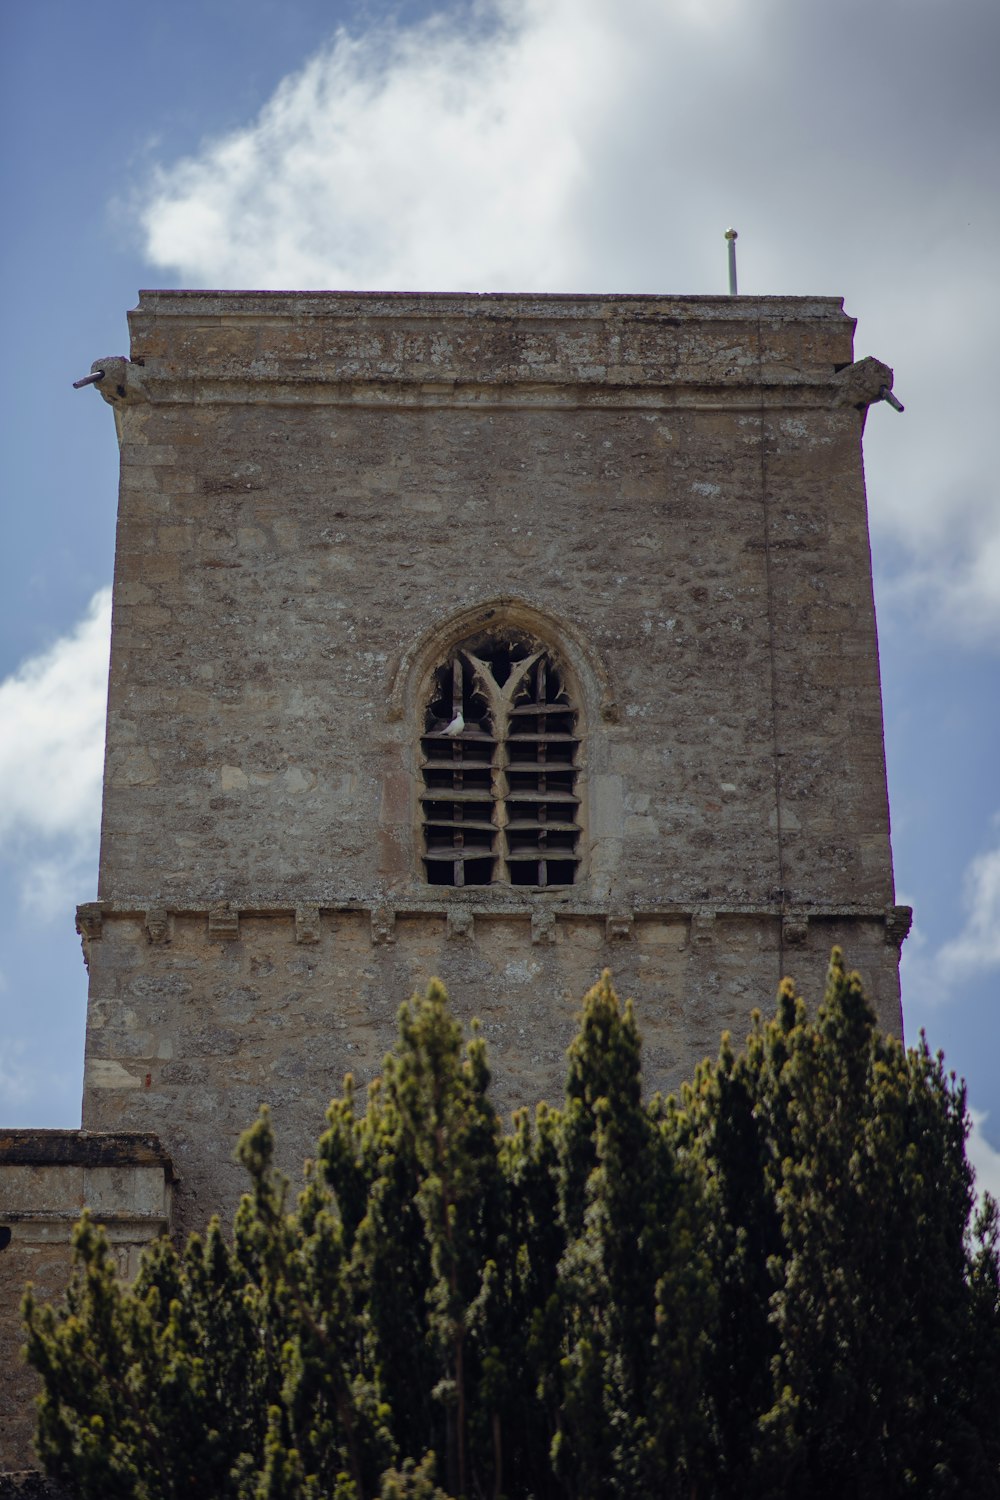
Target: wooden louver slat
(499, 779)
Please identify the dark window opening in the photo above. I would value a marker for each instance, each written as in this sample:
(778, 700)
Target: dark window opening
(500, 748)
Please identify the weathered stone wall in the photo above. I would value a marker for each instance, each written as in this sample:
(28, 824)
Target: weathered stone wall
(321, 494)
(301, 503)
(47, 1179)
(188, 1036)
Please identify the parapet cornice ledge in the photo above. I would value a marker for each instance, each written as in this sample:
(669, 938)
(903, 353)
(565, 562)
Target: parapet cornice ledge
(224, 921)
(406, 906)
(199, 302)
(743, 396)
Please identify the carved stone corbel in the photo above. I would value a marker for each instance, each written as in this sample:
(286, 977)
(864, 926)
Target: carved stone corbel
(307, 924)
(90, 920)
(158, 925)
(702, 928)
(898, 921)
(543, 926)
(459, 923)
(90, 926)
(223, 923)
(383, 925)
(795, 930)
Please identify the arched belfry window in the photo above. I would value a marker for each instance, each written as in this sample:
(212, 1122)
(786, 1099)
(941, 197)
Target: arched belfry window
(500, 746)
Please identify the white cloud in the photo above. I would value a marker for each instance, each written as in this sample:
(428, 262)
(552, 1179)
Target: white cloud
(52, 712)
(977, 947)
(984, 1158)
(16, 1079)
(574, 145)
(941, 975)
(410, 157)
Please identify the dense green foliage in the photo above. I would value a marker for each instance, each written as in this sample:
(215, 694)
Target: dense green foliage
(768, 1287)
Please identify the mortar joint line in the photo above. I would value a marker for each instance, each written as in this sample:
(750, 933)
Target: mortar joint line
(769, 592)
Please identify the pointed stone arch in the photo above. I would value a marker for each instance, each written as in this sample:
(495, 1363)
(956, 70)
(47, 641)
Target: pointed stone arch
(499, 699)
(590, 676)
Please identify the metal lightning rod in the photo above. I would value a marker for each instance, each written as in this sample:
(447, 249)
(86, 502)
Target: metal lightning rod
(731, 238)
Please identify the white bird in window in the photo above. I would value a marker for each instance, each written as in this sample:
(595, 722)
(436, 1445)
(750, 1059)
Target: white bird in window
(456, 726)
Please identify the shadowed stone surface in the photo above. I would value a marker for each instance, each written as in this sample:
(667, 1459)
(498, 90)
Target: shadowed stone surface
(323, 495)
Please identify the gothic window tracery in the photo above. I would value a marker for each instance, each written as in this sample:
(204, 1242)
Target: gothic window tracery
(499, 795)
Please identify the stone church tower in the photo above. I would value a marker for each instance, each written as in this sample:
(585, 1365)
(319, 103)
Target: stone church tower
(500, 638)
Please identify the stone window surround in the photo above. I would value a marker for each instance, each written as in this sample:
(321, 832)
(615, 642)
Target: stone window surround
(588, 684)
(499, 742)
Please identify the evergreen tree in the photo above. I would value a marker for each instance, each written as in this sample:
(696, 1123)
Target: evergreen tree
(636, 1294)
(767, 1286)
(160, 1388)
(872, 1288)
(840, 1206)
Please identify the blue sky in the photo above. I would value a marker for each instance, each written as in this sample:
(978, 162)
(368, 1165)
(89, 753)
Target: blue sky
(563, 145)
